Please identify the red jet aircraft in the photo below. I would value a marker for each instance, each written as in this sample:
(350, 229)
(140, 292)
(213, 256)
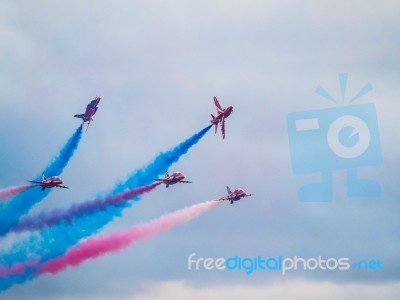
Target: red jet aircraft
(222, 115)
(91, 109)
(173, 178)
(236, 195)
(48, 183)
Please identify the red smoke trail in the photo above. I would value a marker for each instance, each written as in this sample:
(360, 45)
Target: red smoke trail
(95, 247)
(13, 190)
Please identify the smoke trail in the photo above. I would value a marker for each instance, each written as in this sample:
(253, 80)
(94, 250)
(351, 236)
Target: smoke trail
(58, 164)
(95, 247)
(19, 205)
(13, 190)
(55, 241)
(16, 269)
(51, 218)
(19, 268)
(160, 164)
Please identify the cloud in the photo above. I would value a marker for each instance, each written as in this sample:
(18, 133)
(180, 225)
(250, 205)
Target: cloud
(157, 66)
(290, 289)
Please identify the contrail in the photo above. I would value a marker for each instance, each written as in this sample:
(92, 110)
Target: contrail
(20, 204)
(13, 190)
(96, 247)
(54, 241)
(55, 216)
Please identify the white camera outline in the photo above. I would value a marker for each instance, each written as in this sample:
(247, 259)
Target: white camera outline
(360, 127)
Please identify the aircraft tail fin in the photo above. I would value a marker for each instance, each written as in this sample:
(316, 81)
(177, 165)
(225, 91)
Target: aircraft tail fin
(228, 189)
(215, 122)
(43, 177)
(79, 116)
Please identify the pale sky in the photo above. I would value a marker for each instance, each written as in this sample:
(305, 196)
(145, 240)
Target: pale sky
(157, 66)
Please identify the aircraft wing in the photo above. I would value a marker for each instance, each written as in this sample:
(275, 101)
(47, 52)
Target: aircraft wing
(161, 180)
(94, 110)
(185, 181)
(217, 103)
(96, 100)
(223, 127)
(93, 104)
(88, 109)
(62, 186)
(37, 182)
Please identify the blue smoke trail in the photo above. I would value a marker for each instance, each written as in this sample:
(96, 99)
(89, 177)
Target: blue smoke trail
(160, 165)
(20, 205)
(56, 240)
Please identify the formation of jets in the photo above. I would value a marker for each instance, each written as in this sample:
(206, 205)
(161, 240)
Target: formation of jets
(176, 177)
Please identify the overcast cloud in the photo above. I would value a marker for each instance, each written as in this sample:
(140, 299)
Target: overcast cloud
(157, 65)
